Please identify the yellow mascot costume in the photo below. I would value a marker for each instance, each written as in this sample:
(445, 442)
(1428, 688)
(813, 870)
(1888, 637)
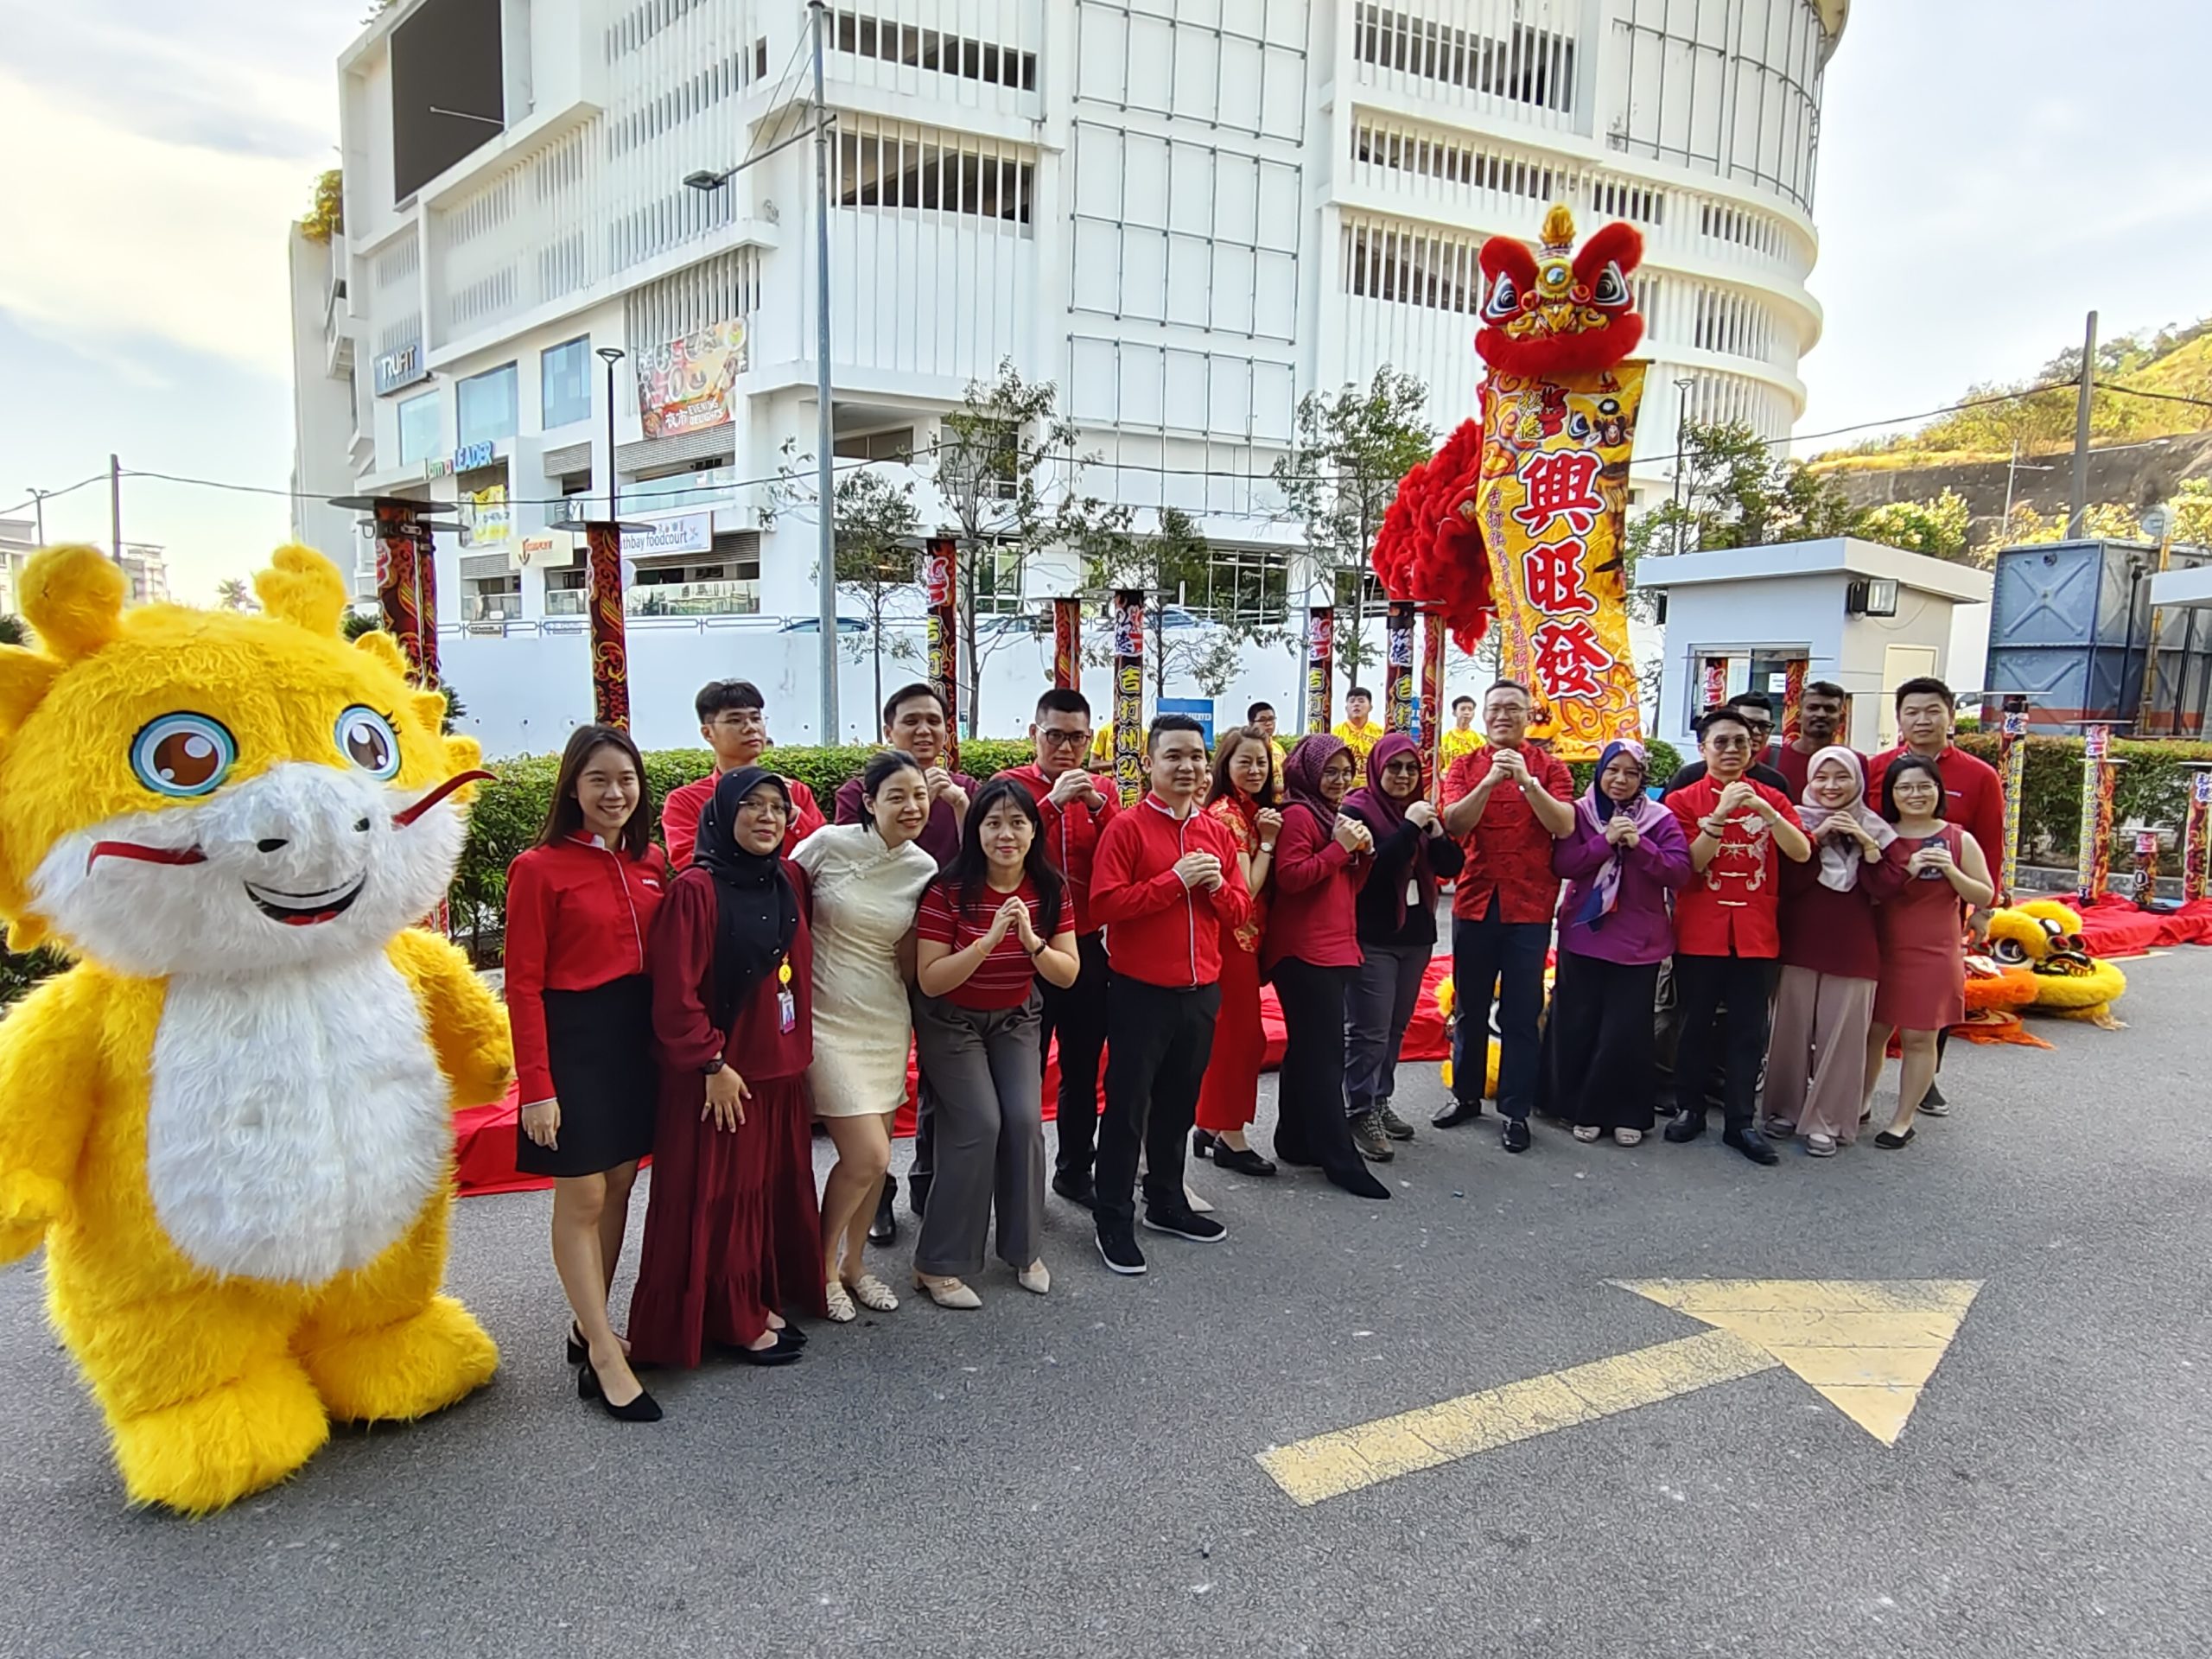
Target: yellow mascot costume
(230, 1121)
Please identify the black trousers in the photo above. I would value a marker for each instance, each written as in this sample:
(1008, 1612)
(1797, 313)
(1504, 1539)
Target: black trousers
(1158, 1042)
(1078, 1017)
(1735, 1042)
(1599, 1041)
(1486, 953)
(1311, 1126)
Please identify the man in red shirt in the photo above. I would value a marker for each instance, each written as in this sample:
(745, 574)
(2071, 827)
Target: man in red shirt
(1165, 882)
(734, 719)
(1820, 726)
(1075, 811)
(1507, 803)
(1973, 799)
(1726, 937)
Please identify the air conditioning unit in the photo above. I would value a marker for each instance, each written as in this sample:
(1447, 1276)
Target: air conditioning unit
(1871, 596)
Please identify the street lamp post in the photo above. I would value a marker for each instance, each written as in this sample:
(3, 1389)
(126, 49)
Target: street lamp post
(1681, 453)
(611, 355)
(38, 506)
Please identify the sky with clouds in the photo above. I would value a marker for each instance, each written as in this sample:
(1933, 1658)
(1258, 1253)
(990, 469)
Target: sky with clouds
(1990, 170)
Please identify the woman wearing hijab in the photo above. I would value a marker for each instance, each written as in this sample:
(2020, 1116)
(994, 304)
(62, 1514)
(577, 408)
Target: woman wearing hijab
(1312, 950)
(1831, 956)
(1623, 856)
(1396, 919)
(732, 1234)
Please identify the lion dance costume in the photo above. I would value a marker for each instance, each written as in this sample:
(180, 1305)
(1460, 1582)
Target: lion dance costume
(1519, 516)
(230, 1121)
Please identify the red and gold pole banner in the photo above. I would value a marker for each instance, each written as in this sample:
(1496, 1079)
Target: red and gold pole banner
(1067, 644)
(1431, 737)
(2011, 773)
(1552, 504)
(1711, 682)
(1793, 696)
(2146, 866)
(2093, 866)
(398, 603)
(1320, 656)
(426, 605)
(1128, 693)
(610, 643)
(1398, 658)
(2197, 828)
(942, 655)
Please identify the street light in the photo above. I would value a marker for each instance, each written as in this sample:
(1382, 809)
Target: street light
(1681, 429)
(611, 355)
(38, 500)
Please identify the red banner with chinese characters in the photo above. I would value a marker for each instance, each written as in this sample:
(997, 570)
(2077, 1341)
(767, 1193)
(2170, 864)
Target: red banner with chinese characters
(942, 639)
(1320, 656)
(1128, 693)
(402, 546)
(1552, 504)
(1431, 736)
(1067, 644)
(2195, 829)
(1398, 669)
(610, 645)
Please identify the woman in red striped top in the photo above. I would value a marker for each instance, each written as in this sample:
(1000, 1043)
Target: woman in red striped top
(987, 927)
(579, 910)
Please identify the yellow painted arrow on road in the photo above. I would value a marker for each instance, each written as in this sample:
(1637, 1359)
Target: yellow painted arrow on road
(1868, 1347)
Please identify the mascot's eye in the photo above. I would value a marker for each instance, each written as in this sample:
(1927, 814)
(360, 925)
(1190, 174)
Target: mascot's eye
(2051, 930)
(183, 754)
(1505, 298)
(1610, 288)
(2010, 951)
(369, 741)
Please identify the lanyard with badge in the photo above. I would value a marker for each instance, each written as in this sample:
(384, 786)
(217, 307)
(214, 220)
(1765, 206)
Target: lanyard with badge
(786, 1004)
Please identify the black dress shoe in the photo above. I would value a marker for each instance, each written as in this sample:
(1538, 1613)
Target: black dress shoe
(1075, 1186)
(1202, 1143)
(1356, 1179)
(1686, 1126)
(1459, 1112)
(790, 1335)
(579, 1351)
(884, 1229)
(1889, 1142)
(643, 1410)
(1242, 1161)
(784, 1353)
(1515, 1135)
(1749, 1141)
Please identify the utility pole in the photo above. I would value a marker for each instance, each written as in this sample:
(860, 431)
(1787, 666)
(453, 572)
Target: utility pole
(1681, 454)
(115, 504)
(2077, 506)
(38, 506)
(825, 436)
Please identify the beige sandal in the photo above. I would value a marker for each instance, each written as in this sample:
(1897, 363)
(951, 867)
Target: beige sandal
(871, 1292)
(842, 1310)
(1036, 1278)
(947, 1292)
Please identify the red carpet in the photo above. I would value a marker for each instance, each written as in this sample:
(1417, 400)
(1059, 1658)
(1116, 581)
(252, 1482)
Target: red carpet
(484, 1135)
(2114, 927)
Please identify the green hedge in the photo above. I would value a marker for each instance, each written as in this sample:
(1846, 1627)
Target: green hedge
(2152, 787)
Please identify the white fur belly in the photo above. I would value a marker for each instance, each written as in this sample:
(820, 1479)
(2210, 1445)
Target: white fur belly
(298, 1124)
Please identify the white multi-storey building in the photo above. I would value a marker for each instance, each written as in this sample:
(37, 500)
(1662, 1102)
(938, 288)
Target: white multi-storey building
(1184, 214)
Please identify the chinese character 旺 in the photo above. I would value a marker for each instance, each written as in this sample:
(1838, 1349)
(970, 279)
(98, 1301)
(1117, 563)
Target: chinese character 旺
(1569, 660)
(1551, 577)
(1560, 485)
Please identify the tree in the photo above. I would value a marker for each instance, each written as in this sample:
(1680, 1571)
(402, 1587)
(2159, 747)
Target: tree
(235, 593)
(1351, 451)
(12, 630)
(993, 467)
(877, 561)
(326, 215)
(1937, 528)
(1740, 491)
(1164, 568)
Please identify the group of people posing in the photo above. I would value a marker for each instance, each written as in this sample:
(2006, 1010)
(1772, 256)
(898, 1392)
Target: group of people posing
(775, 969)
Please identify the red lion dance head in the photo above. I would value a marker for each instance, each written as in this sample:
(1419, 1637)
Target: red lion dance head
(1550, 313)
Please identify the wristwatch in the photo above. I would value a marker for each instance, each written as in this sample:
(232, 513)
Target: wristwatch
(1267, 846)
(712, 1066)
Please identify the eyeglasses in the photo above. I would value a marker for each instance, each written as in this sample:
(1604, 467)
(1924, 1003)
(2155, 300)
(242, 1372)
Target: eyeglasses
(770, 808)
(734, 719)
(1336, 774)
(1060, 739)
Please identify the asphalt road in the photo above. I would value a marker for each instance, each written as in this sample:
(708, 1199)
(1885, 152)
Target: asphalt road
(1074, 1475)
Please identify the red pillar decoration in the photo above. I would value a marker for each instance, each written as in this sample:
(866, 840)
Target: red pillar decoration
(1431, 736)
(2196, 855)
(402, 549)
(2012, 774)
(1793, 696)
(610, 644)
(1398, 671)
(1128, 693)
(2093, 872)
(1067, 644)
(943, 655)
(1320, 656)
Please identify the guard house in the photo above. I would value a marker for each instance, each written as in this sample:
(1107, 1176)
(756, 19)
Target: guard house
(1769, 618)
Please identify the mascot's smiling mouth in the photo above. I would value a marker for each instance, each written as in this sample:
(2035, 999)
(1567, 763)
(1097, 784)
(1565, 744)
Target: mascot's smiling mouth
(305, 909)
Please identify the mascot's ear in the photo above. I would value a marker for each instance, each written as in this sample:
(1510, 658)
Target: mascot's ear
(385, 648)
(430, 707)
(25, 678)
(304, 588)
(1617, 244)
(73, 598)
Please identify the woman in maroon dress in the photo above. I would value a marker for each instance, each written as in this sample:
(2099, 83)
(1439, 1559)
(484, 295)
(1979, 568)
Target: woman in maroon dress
(1923, 986)
(732, 1233)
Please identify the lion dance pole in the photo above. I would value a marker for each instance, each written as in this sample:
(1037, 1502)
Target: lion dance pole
(2012, 771)
(1067, 644)
(942, 652)
(1399, 681)
(1128, 693)
(610, 639)
(1431, 700)
(2196, 832)
(1320, 655)
(2093, 870)
(1518, 519)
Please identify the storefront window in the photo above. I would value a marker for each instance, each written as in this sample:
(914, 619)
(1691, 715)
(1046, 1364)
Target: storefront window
(486, 406)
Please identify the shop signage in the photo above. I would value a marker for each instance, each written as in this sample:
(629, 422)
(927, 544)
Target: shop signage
(683, 532)
(404, 367)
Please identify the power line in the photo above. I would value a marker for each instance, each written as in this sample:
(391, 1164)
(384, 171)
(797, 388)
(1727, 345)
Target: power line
(55, 495)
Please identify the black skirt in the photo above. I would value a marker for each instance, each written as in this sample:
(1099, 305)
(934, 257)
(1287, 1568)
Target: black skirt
(599, 1045)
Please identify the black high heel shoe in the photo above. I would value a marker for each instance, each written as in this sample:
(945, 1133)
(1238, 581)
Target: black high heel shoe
(1202, 1143)
(643, 1410)
(579, 1351)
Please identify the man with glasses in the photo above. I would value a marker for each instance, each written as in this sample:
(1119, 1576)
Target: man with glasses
(1757, 713)
(1075, 807)
(1507, 802)
(734, 719)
